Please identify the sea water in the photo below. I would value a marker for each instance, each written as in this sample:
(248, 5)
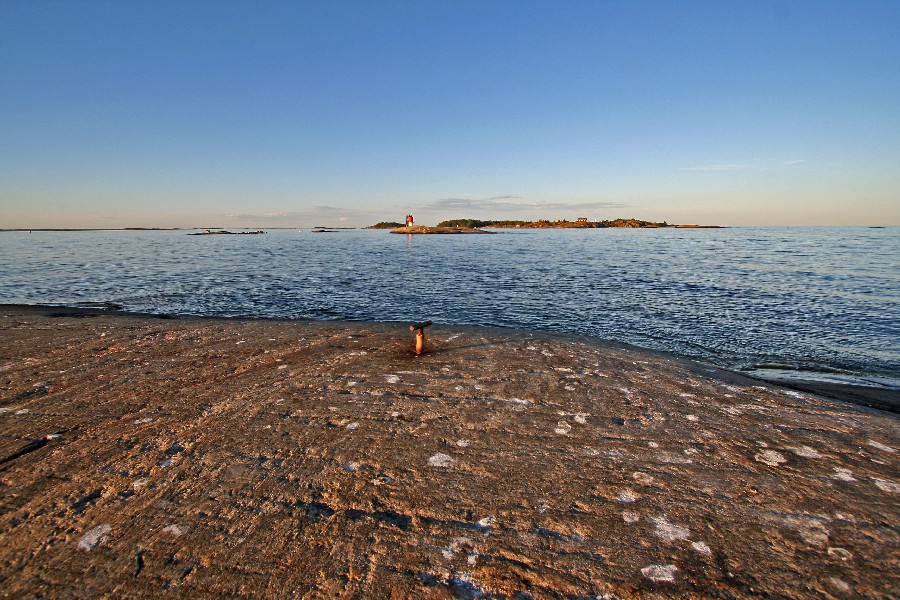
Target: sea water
(805, 302)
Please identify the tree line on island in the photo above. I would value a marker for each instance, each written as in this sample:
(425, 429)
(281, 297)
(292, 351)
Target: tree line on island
(541, 224)
(547, 224)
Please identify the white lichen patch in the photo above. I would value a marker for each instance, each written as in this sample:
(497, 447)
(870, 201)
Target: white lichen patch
(21, 411)
(456, 545)
(628, 496)
(143, 421)
(97, 535)
(842, 474)
(840, 585)
(173, 530)
(392, 379)
(880, 446)
(581, 418)
(562, 428)
(806, 452)
(693, 418)
(661, 573)
(630, 517)
(887, 486)
(652, 444)
(516, 401)
(463, 443)
(673, 459)
(616, 454)
(770, 457)
(139, 484)
(669, 531)
(701, 547)
(440, 460)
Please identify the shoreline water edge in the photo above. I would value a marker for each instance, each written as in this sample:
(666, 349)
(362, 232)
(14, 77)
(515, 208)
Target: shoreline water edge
(871, 396)
(770, 302)
(217, 457)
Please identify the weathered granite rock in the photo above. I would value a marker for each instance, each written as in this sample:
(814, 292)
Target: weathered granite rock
(217, 458)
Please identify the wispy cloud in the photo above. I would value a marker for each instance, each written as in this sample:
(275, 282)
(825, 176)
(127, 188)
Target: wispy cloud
(505, 203)
(723, 167)
(760, 165)
(289, 217)
(270, 217)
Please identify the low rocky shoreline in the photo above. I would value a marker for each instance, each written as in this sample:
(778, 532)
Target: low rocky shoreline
(252, 458)
(420, 229)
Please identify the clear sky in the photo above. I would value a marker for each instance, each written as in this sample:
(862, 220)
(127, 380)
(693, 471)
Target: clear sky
(265, 114)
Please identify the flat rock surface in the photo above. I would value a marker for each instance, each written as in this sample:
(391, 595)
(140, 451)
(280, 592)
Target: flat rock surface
(146, 457)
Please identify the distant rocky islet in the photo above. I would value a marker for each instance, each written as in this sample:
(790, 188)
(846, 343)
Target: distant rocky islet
(477, 225)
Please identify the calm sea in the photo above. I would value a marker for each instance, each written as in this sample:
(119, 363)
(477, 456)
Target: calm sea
(808, 302)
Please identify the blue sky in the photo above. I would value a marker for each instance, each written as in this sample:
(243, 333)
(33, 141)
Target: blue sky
(295, 114)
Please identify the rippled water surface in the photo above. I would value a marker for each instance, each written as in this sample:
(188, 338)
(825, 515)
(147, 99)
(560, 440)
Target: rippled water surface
(823, 300)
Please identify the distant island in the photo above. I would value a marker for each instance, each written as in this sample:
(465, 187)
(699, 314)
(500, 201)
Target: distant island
(385, 225)
(225, 232)
(409, 229)
(565, 224)
(477, 225)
